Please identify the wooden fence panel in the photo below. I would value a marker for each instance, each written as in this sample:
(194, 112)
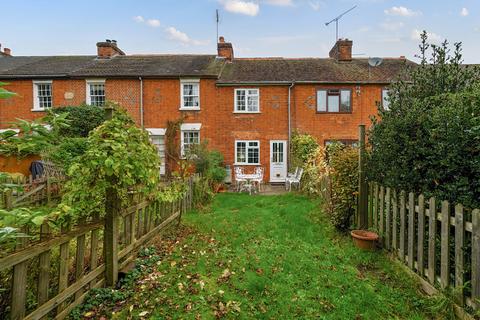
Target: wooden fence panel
(395, 221)
(375, 209)
(476, 257)
(402, 226)
(387, 220)
(381, 212)
(432, 236)
(444, 249)
(459, 257)
(411, 230)
(421, 234)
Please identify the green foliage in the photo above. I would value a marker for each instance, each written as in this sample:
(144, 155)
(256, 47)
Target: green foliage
(83, 119)
(34, 137)
(4, 93)
(343, 163)
(208, 163)
(119, 158)
(307, 154)
(65, 153)
(429, 140)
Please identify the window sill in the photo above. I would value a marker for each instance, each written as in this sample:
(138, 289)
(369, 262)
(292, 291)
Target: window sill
(38, 110)
(189, 109)
(326, 112)
(245, 112)
(246, 164)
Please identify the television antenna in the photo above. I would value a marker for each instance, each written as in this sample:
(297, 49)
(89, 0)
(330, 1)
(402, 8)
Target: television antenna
(338, 18)
(217, 19)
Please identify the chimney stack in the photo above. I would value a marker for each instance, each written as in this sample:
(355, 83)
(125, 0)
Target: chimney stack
(225, 49)
(342, 50)
(108, 49)
(6, 51)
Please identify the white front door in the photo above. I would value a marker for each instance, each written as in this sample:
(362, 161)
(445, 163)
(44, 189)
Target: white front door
(278, 160)
(159, 142)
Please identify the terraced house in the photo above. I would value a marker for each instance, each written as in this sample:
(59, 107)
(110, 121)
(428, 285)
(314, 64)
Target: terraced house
(247, 108)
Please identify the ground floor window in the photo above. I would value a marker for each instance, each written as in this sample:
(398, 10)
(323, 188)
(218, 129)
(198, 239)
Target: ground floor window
(347, 142)
(247, 152)
(189, 139)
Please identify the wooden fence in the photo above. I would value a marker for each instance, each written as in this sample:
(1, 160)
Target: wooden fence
(435, 239)
(88, 256)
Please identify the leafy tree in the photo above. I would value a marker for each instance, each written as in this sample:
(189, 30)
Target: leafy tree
(4, 93)
(82, 119)
(118, 157)
(429, 139)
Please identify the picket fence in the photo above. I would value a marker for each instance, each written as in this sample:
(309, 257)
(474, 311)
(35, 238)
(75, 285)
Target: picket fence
(102, 248)
(437, 240)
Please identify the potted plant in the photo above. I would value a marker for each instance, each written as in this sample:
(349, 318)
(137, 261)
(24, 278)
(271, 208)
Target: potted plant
(364, 239)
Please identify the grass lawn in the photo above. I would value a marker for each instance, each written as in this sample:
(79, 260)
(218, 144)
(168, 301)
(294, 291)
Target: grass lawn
(262, 257)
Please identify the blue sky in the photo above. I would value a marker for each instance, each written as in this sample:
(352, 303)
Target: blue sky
(289, 28)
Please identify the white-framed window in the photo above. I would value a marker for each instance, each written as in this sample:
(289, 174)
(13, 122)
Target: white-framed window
(247, 152)
(247, 100)
(190, 94)
(96, 92)
(189, 139)
(334, 100)
(385, 100)
(42, 95)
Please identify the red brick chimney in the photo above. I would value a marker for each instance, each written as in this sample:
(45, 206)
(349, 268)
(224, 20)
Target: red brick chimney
(342, 50)
(6, 52)
(108, 49)
(225, 49)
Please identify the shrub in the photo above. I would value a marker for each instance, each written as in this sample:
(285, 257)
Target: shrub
(82, 119)
(343, 164)
(67, 151)
(429, 140)
(208, 163)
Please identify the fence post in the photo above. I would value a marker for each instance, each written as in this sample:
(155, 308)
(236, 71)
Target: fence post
(362, 183)
(8, 199)
(111, 236)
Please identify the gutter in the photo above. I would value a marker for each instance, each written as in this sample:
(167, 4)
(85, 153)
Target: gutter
(141, 101)
(289, 121)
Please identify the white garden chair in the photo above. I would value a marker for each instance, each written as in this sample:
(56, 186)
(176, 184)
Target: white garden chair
(294, 180)
(290, 175)
(258, 180)
(239, 178)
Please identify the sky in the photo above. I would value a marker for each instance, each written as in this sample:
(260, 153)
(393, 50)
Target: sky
(256, 28)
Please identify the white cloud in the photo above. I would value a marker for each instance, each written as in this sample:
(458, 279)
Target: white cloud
(464, 12)
(401, 11)
(182, 37)
(392, 25)
(248, 8)
(153, 23)
(139, 19)
(315, 5)
(283, 3)
(432, 37)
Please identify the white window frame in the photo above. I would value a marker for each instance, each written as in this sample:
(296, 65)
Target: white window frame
(159, 132)
(87, 86)
(235, 103)
(184, 82)
(385, 90)
(182, 142)
(36, 102)
(246, 153)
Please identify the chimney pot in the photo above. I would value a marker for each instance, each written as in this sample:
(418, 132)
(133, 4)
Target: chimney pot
(402, 57)
(7, 51)
(225, 49)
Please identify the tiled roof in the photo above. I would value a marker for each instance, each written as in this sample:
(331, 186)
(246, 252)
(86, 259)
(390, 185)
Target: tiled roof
(265, 70)
(251, 70)
(119, 66)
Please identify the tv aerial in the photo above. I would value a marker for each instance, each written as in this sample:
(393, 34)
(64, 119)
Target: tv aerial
(338, 18)
(374, 61)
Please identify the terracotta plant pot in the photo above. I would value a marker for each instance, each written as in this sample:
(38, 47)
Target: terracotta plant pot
(364, 239)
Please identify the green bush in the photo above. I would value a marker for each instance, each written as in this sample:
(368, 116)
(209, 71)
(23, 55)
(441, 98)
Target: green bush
(208, 163)
(82, 119)
(343, 164)
(429, 140)
(67, 151)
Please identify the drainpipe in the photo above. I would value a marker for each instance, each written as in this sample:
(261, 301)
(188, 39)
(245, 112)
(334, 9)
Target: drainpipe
(289, 122)
(141, 101)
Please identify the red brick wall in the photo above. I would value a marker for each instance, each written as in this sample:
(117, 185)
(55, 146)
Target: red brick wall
(334, 126)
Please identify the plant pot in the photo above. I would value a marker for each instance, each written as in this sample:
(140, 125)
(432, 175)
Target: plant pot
(364, 239)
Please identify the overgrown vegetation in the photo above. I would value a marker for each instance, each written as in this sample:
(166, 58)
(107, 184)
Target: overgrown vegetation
(120, 158)
(262, 257)
(82, 119)
(429, 140)
(208, 163)
(4, 93)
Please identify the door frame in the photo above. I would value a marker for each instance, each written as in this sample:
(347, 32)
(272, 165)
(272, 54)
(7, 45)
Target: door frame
(285, 165)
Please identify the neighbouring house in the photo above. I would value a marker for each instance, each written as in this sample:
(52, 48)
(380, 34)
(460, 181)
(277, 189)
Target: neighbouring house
(245, 107)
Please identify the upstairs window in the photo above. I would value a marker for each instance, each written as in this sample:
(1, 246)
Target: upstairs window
(385, 100)
(190, 94)
(42, 95)
(247, 152)
(339, 101)
(247, 100)
(96, 92)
